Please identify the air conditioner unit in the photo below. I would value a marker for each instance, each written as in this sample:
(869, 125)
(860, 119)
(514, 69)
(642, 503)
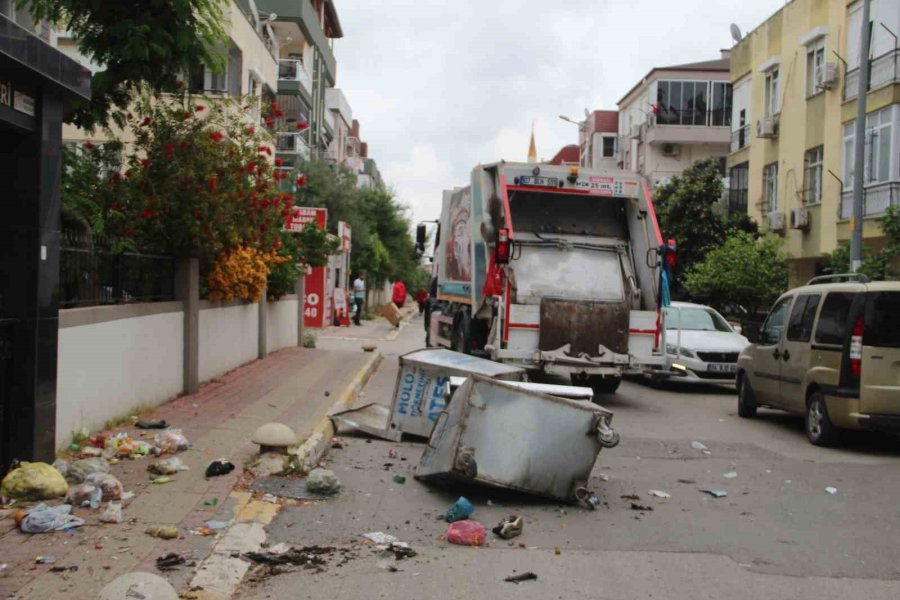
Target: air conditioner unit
(776, 221)
(767, 127)
(826, 78)
(671, 149)
(800, 218)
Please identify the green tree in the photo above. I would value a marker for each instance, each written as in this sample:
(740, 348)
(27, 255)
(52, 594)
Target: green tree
(743, 271)
(687, 211)
(876, 264)
(136, 43)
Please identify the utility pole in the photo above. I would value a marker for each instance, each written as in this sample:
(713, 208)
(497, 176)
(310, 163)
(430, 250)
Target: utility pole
(859, 162)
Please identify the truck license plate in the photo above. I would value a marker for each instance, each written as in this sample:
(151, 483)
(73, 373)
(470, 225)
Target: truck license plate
(722, 368)
(541, 181)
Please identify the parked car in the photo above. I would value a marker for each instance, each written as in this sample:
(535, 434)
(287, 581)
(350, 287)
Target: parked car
(701, 346)
(830, 351)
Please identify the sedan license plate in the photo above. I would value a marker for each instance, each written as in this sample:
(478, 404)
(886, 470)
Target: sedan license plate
(539, 181)
(722, 368)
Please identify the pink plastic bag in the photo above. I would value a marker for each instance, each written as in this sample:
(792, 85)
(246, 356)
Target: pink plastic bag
(466, 533)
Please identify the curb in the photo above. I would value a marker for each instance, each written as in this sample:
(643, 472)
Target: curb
(220, 574)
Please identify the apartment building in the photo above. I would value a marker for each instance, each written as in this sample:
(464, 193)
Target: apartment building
(307, 68)
(598, 140)
(675, 116)
(795, 81)
(340, 118)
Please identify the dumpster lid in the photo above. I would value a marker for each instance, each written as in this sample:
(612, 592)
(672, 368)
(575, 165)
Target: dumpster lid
(456, 363)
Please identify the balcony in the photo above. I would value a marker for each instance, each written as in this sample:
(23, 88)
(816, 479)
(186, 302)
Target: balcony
(292, 143)
(740, 138)
(293, 79)
(304, 14)
(883, 70)
(876, 198)
(689, 127)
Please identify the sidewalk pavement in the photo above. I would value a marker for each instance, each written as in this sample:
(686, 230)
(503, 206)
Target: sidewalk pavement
(294, 386)
(377, 329)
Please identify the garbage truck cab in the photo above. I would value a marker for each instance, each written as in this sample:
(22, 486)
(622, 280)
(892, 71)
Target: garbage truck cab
(552, 268)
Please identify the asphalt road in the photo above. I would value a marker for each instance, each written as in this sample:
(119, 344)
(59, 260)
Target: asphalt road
(777, 534)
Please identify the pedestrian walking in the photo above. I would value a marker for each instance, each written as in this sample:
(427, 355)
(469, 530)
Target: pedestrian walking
(398, 295)
(359, 297)
(422, 299)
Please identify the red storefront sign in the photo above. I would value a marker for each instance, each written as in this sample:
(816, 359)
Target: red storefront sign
(303, 215)
(314, 306)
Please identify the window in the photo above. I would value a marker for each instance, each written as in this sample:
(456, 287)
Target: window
(882, 324)
(812, 175)
(801, 322)
(879, 130)
(609, 147)
(688, 103)
(773, 106)
(815, 67)
(832, 326)
(774, 325)
(738, 178)
(695, 319)
(770, 187)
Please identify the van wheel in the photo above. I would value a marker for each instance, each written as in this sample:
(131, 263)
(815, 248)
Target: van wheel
(819, 429)
(604, 384)
(461, 334)
(746, 400)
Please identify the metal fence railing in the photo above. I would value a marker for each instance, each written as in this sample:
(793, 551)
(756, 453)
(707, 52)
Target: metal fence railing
(876, 199)
(882, 69)
(90, 275)
(740, 138)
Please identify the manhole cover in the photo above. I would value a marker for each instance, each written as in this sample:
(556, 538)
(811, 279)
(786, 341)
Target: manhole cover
(288, 487)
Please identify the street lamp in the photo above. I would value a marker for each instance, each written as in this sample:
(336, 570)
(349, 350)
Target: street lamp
(573, 121)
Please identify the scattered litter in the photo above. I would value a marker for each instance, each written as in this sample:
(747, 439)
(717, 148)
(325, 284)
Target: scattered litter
(170, 441)
(557, 551)
(44, 560)
(204, 531)
(214, 501)
(687, 481)
(218, 467)
(80, 469)
(660, 494)
(399, 479)
(155, 424)
(162, 479)
(698, 446)
(461, 509)
(492, 503)
(110, 486)
(517, 579)
(630, 497)
(636, 506)
(399, 550)
(380, 538)
(61, 465)
(288, 487)
(90, 452)
(80, 435)
(270, 498)
(466, 533)
(392, 453)
(322, 481)
(85, 495)
(730, 475)
(604, 477)
(112, 514)
(714, 492)
(831, 490)
(509, 527)
(43, 518)
(215, 525)
(338, 443)
(69, 569)
(3, 567)
(128, 497)
(167, 466)
(172, 561)
(787, 480)
(308, 556)
(166, 532)
(33, 481)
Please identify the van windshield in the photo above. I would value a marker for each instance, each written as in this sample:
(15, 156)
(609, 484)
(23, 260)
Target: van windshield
(695, 319)
(883, 326)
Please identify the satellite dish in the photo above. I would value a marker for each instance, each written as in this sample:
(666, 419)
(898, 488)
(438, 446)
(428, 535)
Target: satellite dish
(736, 33)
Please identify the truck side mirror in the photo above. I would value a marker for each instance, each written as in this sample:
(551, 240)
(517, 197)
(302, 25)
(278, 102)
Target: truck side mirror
(421, 236)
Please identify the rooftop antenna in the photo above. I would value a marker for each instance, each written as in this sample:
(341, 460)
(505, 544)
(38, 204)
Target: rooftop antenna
(736, 33)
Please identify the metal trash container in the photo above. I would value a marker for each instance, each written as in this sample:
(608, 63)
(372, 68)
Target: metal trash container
(507, 436)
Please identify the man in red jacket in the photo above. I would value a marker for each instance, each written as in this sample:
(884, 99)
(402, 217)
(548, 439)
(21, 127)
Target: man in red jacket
(398, 296)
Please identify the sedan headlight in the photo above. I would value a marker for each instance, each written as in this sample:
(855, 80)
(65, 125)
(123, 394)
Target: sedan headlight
(674, 351)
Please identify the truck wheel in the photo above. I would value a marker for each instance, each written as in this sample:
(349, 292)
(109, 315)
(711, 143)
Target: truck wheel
(604, 384)
(461, 334)
(819, 429)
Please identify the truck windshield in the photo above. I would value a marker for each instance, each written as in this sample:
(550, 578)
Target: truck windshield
(574, 214)
(695, 319)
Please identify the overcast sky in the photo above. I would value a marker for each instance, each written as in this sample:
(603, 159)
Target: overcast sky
(442, 85)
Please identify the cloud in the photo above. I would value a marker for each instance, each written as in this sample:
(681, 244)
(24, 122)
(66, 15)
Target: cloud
(441, 86)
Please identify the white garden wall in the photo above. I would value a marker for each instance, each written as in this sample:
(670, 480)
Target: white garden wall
(281, 323)
(228, 337)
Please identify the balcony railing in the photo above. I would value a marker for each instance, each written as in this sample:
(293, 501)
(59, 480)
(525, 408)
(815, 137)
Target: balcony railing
(290, 69)
(883, 69)
(740, 138)
(717, 117)
(876, 199)
(292, 143)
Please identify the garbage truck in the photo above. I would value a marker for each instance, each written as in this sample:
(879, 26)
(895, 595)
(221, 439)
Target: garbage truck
(553, 268)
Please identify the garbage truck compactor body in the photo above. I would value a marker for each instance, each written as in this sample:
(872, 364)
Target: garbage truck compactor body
(552, 268)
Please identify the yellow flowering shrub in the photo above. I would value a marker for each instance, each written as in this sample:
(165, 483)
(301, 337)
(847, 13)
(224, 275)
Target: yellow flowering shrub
(241, 273)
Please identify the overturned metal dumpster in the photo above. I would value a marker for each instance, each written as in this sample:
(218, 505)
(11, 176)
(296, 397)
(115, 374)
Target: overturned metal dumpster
(421, 391)
(505, 435)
